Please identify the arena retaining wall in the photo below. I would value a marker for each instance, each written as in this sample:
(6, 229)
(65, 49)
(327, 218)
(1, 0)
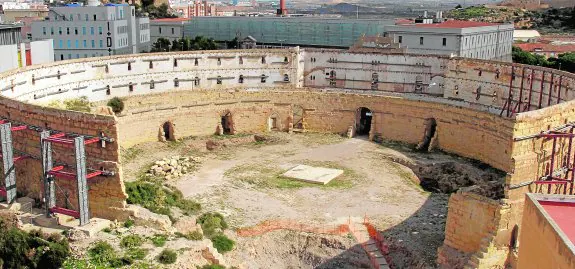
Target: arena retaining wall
(479, 107)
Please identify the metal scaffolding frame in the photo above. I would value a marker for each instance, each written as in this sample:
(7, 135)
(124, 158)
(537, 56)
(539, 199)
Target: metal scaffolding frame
(81, 176)
(561, 177)
(8, 160)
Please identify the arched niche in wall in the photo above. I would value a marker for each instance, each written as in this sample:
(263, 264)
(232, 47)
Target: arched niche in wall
(274, 122)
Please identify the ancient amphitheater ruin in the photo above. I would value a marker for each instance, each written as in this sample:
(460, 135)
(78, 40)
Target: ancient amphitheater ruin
(515, 118)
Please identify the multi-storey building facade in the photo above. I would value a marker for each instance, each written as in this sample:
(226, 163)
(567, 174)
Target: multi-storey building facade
(168, 28)
(89, 31)
(10, 34)
(468, 39)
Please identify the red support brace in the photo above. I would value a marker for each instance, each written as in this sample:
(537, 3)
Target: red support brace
(91, 140)
(551, 89)
(559, 89)
(528, 106)
(541, 89)
(65, 211)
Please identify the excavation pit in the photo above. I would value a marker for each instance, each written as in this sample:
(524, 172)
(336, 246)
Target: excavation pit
(311, 174)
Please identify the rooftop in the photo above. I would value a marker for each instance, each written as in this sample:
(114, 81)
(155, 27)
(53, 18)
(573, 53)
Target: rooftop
(171, 20)
(561, 212)
(452, 24)
(546, 47)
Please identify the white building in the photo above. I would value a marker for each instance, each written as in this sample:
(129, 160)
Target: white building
(168, 28)
(468, 39)
(526, 35)
(94, 30)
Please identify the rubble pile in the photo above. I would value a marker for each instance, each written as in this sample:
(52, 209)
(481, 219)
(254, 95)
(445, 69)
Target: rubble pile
(174, 167)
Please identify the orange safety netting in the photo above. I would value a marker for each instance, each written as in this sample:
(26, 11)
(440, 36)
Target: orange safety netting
(274, 225)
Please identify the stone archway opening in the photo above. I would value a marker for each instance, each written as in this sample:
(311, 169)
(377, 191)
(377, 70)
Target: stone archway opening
(227, 125)
(167, 131)
(427, 143)
(363, 121)
(273, 122)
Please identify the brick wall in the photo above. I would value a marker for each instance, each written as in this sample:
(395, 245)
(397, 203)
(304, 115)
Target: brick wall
(106, 194)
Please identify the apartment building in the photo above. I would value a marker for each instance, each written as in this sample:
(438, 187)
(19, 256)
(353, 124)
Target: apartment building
(94, 30)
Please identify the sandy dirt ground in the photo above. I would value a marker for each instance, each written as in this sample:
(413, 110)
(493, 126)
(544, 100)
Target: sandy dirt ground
(233, 179)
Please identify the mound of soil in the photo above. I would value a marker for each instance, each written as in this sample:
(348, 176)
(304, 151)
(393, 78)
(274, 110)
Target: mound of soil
(298, 250)
(448, 177)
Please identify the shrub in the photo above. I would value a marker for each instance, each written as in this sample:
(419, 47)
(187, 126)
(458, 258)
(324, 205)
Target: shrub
(116, 104)
(19, 249)
(222, 243)
(78, 104)
(131, 241)
(212, 266)
(159, 199)
(167, 256)
(136, 254)
(107, 230)
(129, 223)
(212, 223)
(159, 240)
(195, 235)
(102, 254)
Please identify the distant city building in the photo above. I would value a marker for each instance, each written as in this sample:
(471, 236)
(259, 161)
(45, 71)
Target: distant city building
(526, 35)
(468, 39)
(14, 11)
(10, 34)
(196, 8)
(95, 30)
(547, 50)
(169, 28)
(302, 31)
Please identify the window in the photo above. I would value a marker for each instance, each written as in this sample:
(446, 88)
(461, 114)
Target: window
(196, 62)
(67, 30)
(85, 43)
(219, 61)
(60, 30)
(130, 87)
(94, 16)
(172, 30)
(84, 30)
(77, 56)
(129, 66)
(241, 60)
(71, 17)
(399, 39)
(151, 66)
(77, 44)
(61, 56)
(219, 80)
(86, 17)
(121, 14)
(75, 30)
(196, 81)
(101, 43)
(52, 30)
(263, 79)
(108, 92)
(176, 83)
(444, 41)
(160, 29)
(91, 30)
(69, 45)
(44, 30)
(421, 40)
(100, 29)
(93, 43)
(69, 56)
(61, 43)
(286, 78)
(263, 60)
(241, 79)
(152, 84)
(175, 62)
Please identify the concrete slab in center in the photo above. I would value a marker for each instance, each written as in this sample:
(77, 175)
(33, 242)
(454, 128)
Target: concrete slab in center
(318, 175)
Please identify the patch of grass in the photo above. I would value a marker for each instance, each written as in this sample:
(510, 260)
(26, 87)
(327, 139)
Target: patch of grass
(158, 199)
(167, 256)
(130, 154)
(136, 254)
(212, 266)
(222, 243)
(159, 240)
(131, 241)
(81, 104)
(224, 137)
(107, 230)
(212, 223)
(129, 223)
(104, 255)
(266, 175)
